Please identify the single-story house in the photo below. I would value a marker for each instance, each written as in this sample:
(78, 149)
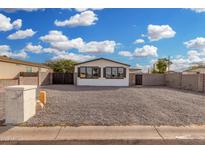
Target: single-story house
(10, 68)
(195, 70)
(101, 72)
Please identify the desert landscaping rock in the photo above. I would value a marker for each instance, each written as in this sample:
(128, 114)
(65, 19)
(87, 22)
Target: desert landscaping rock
(76, 106)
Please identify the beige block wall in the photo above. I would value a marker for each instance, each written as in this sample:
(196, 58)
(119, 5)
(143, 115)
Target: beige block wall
(28, 80)
(190, 82)
(173, 80)
(153, 79)
(45, 78)
(132, 79)
(6, 82)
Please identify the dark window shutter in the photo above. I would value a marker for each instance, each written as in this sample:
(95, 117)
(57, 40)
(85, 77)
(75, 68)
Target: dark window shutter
(104, 69)
(124, 72)
(78, 71)
(99, 69)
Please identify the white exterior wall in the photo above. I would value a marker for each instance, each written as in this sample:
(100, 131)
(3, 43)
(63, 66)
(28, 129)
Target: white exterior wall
(103, 81)
(20, 103)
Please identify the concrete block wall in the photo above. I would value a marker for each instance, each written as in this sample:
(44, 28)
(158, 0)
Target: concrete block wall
(8, 82)
(28, 80)
(173, 80)
(44, 78)
(204, 83)
(194, 82)
(189, 82)
(75, 75)
(132, 79)
(153, 79)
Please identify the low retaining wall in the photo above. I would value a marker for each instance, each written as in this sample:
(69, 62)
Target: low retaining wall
(153, 79)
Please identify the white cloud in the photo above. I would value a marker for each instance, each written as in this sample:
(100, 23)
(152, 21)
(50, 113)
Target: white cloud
(198, 10)
(99, 47)
(51, 51)
(145, 51)
(85, 9)
(12, 10)
(197, 43)
(158, 32)
(17, 24)
(61, 42)
(125, 53)
(5, 50)
(73, 56)
(6, 24)
(69, 44)
(181, 63)
(144, 68)
(21, 34)
(33, 48)
(20, 54)
(138, 41)
(54, 36)
(86, 18)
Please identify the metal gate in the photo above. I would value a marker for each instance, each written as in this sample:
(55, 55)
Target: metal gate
(138, 79)
(62, 78)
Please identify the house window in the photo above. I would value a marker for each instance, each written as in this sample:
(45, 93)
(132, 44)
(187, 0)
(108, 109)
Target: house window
(28, 69)
(89, 72)
(82, 72)
(114, 72)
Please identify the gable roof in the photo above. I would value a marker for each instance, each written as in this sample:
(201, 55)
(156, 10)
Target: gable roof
(15, 61)
(102, 59)
(194, 68)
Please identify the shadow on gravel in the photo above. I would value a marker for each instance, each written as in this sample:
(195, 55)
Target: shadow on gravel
(79, 88)
(174, 89)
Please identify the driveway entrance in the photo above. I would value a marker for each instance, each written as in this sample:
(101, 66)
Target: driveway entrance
(62, 78)
(138, 79)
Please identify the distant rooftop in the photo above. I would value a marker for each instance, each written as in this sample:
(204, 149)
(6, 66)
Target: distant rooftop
(16, 61)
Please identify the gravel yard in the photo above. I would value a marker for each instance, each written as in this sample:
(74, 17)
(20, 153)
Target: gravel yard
(75, 106)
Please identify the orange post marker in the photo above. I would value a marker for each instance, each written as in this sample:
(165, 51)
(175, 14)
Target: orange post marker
(42, 97)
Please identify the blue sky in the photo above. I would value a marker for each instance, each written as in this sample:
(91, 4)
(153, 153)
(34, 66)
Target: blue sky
(134, 36)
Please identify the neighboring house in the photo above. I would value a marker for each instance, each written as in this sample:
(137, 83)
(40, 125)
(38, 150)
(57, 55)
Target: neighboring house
(10, 68)
(101, 72)
(135, 70)
(195, 70)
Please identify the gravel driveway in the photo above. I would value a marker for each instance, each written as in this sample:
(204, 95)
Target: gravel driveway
(70, 105)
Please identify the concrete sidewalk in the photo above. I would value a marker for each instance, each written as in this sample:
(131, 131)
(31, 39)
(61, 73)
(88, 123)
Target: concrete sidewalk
(103, 135)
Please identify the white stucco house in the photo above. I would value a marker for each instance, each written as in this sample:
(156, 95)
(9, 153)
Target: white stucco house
(101, 72)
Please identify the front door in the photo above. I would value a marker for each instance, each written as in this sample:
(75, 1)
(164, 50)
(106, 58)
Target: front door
(138, 79)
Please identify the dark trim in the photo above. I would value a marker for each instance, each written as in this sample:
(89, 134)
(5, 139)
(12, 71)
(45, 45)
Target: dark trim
(102, 59)
(92, 72)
